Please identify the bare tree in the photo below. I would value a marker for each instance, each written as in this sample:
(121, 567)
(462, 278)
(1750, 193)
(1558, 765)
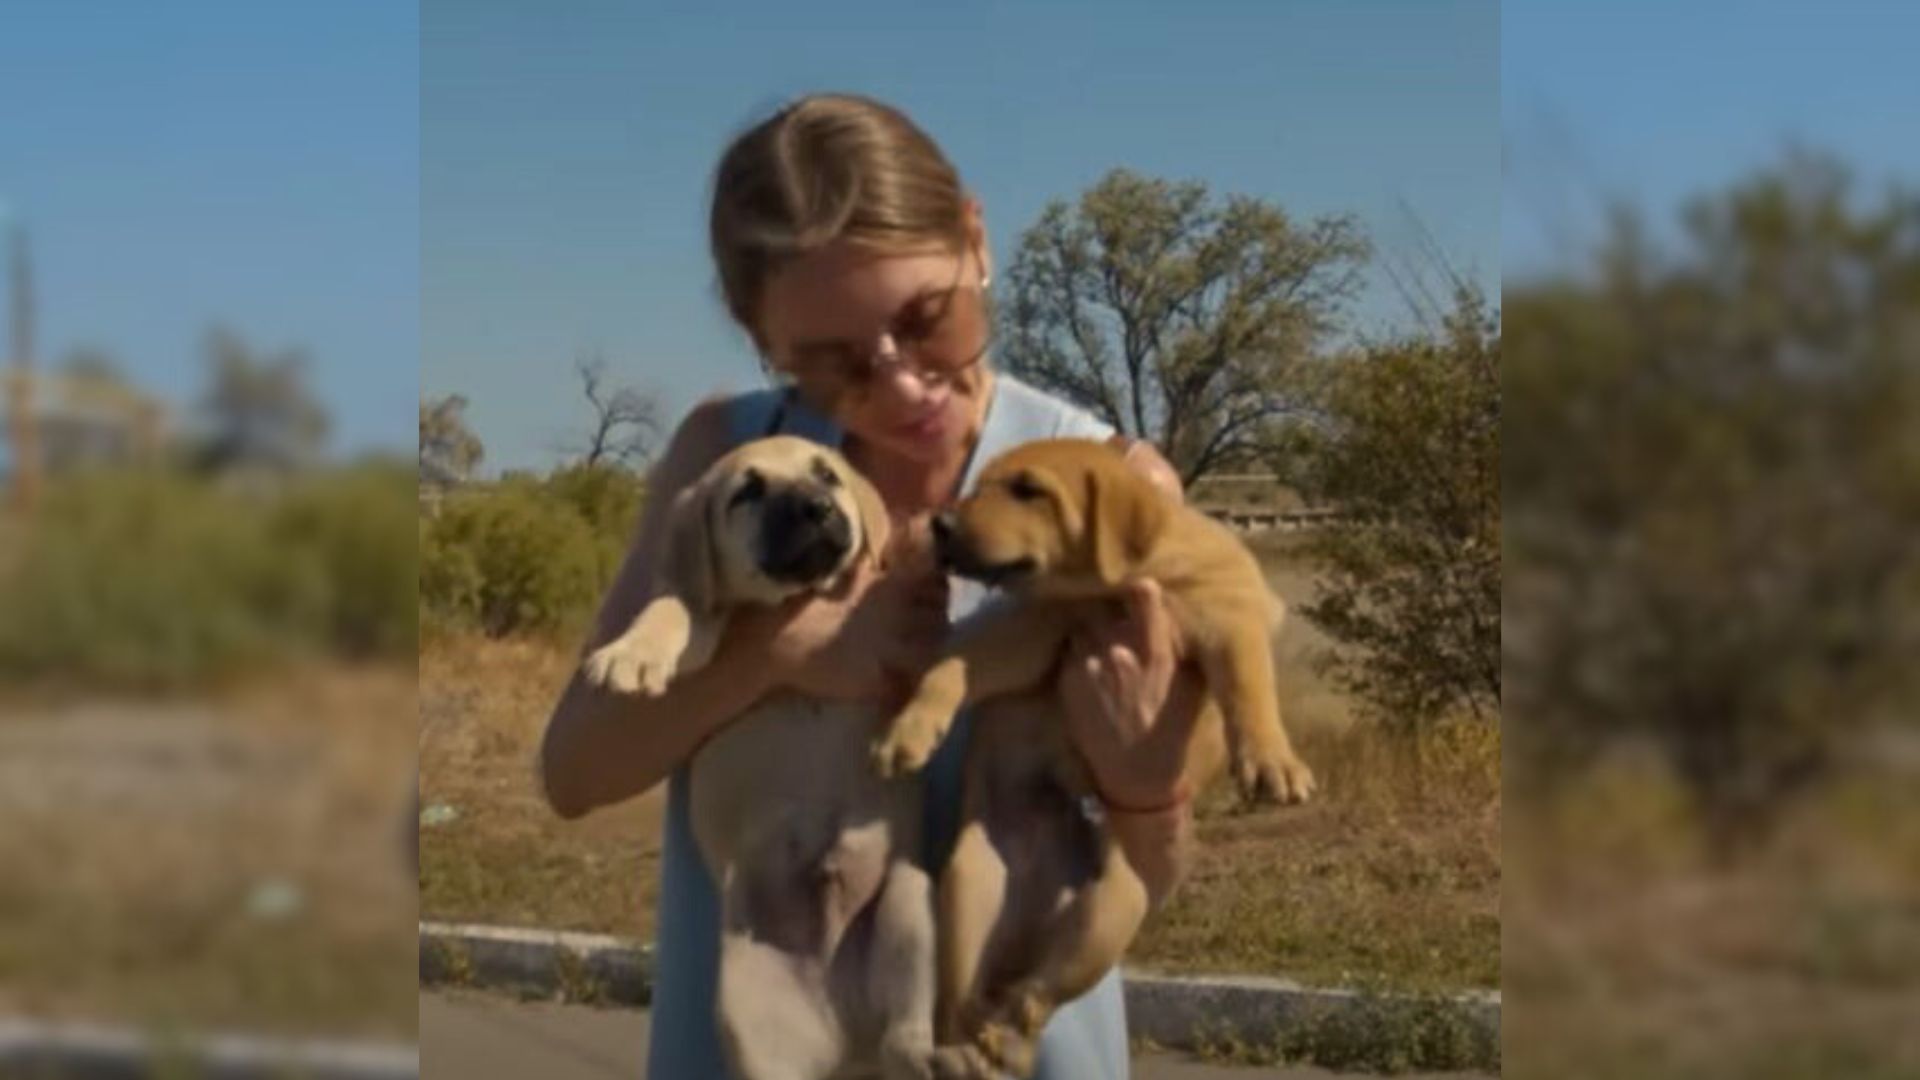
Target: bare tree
(626, 422)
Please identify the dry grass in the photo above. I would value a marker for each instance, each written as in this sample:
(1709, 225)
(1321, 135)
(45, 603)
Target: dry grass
(1392, 880)
(505, 858)
(1631, 954)
(225, 863)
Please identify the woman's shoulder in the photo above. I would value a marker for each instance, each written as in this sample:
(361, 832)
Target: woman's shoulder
(715, 425)
(723, 419)
(1043, 415)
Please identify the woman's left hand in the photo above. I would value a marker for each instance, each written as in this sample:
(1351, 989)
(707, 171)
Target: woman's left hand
(1126, 713)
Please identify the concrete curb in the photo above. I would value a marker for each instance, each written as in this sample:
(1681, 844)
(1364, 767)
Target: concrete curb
(93, 1052)
(592, 968)
(1177, 1012)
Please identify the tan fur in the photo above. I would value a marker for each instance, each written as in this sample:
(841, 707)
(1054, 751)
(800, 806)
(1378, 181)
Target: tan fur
(1085, 525)
(826, 957)
(708, 565)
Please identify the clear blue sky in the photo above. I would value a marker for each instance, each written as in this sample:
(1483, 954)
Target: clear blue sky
(1652, 102)
(565, 156)
(253, 164)
(265, 165)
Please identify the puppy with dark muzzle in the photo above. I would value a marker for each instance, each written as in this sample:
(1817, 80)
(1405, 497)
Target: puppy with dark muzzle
(826, 950)
(1038, 900)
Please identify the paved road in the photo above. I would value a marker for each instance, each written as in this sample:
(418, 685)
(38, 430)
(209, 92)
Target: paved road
(472, 1036)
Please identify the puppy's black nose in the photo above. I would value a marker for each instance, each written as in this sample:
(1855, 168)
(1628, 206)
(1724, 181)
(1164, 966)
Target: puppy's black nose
(816, 508)
(943, 527)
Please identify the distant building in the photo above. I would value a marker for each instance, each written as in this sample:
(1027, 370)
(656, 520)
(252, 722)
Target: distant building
(1257, 502)
(55, 421)
(82, 420)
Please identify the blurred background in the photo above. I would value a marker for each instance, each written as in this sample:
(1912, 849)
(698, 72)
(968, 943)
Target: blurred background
(1711, 275)
(209, 215)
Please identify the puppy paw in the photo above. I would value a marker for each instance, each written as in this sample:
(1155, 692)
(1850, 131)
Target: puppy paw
(1007, 1050)
(909, 742)
(1275, 778)
(1028, 1010)
(906, 1053)
(630, 665)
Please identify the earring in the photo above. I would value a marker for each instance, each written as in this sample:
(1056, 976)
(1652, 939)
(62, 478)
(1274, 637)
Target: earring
(986, 280)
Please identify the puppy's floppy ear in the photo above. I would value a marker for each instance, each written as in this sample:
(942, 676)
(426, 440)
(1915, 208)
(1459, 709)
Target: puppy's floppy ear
(1125, 515)
(691, 567)
(876, 528)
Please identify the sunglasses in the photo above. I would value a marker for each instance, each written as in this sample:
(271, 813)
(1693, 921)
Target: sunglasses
(937, 335)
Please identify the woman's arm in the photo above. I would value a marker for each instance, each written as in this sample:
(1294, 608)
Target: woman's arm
(1133, 720)
(601, 748)
(1159, 846)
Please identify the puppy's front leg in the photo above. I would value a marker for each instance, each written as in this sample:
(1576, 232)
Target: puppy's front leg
(1239, 670)
(665, 640)
(1008, 650)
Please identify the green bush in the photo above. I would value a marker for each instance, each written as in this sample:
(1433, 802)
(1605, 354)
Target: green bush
(1405, 441)
(526, 554)
(608, 499)
(450, 582)
(349, 530)
(146, 578)
(1712, 493)
(130, 578)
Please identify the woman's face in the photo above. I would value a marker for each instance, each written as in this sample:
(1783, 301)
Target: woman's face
(891, 344)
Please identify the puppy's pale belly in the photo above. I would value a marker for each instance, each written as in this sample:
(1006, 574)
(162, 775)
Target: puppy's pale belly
(805, 841)
(797, 768)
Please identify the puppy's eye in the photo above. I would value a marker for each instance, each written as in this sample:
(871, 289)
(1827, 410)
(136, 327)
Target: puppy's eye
(751, 489)
(824, 473)
(1023, 488)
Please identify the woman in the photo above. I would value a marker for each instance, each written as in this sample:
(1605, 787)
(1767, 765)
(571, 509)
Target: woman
(858, 265)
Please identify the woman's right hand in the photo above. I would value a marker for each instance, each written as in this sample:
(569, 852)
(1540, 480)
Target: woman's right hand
(865, 642)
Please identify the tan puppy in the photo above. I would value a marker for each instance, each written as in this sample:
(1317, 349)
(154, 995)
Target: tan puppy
(826, 951)
(1065, 525)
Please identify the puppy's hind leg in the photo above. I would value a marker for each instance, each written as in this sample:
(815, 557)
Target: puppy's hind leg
(900, 971)
(774, 1020)
(973, 895)
(973, 892)
(1084, 941)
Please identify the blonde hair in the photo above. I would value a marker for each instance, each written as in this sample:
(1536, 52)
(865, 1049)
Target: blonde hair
(827, 167)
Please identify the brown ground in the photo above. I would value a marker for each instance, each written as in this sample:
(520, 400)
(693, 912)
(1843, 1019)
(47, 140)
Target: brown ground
(230, 862)
(1631, 954)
